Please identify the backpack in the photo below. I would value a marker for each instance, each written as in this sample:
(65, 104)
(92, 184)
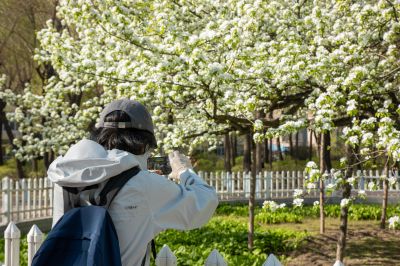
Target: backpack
(85, 235)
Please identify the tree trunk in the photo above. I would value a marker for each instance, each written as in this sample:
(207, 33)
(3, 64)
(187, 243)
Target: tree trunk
(327, 150)
(2, 106)
(46, 160)
(35, 165)
(296, 153)
(247, 153)
(318, 140)
(51, 156)
(1, 143)
(271, 157)
(385, 196)
(227, 152)
(310, 147)
(290, 145)
(259, 157)
(233, 148)
(266, 151)
(255, 149)
(322, 167)
(20, 170)
(278, 144)
(341, 243)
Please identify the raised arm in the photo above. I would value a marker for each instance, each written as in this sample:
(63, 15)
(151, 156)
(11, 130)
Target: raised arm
(185, 206)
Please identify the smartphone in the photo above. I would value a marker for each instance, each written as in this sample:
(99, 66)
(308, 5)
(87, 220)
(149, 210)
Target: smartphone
(160, 163)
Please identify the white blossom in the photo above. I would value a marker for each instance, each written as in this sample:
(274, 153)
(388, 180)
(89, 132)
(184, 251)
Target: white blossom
(394, 222)
(345, 203)
(297, 193)
(297, 202)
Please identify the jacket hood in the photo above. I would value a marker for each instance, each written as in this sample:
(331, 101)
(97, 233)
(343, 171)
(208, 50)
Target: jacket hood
(87, 163)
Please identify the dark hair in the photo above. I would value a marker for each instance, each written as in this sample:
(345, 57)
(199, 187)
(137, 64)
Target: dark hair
(132, 140)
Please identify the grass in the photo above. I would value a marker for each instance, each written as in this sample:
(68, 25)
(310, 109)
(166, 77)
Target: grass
(229, 236)
(9, 168)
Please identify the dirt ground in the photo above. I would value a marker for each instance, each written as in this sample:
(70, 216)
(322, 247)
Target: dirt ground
(366, 245)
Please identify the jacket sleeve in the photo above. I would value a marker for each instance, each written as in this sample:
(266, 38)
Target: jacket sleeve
(185, 206)
(58, 204)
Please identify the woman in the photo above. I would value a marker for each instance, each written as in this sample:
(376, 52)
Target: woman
(148, 203)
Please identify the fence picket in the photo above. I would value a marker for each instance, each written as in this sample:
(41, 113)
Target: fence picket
(6, 201)
(34, 239)
(272, 261)
(215, 259)
(29, 198)
(16, 202)
(23, 198)
(282, 183)
(12, 237)
(258, 185)
(165, 257)
(40, 192)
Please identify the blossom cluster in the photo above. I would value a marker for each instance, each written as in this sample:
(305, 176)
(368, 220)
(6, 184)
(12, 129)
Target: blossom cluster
(207, 67)
(272, 206)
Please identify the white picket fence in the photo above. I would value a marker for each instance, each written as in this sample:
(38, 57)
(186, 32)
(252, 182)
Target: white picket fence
(165, 257)
(26, 199)
(30, 199)
(280, 185)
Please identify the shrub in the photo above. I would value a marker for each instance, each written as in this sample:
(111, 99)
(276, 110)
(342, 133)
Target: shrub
(230, 239)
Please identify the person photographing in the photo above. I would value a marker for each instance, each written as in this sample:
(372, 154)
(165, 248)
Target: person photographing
(147, 203)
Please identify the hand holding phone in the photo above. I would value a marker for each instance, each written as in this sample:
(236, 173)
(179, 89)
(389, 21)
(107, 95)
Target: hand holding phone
(159, 165)
(179, 162)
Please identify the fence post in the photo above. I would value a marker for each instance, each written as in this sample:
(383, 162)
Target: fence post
(29, 198)
(223, 184)
(217, 184)
(258, 185)
(248, 177)
(215, 259)
(212, 180)
(282, 181)
(165, 257)
(23, 198)
(294, 177)
(6, 200)
(35, 197)
(229, 177)
(12, 237)
(201, 174)
(16, 208)
(378, 178)
(268, 182)
(272, 190)
(233, 179)
(34, 239)
(361, 182)
(272, 261)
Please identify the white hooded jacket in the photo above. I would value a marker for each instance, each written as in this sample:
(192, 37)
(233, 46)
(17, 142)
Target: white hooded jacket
(145, 206)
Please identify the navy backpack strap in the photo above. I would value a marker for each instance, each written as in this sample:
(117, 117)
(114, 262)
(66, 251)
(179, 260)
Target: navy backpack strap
(114, 185)
(153, 250)
(107, 195)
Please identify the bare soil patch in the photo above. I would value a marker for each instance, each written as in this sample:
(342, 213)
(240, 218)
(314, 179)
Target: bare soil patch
(366, 244)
